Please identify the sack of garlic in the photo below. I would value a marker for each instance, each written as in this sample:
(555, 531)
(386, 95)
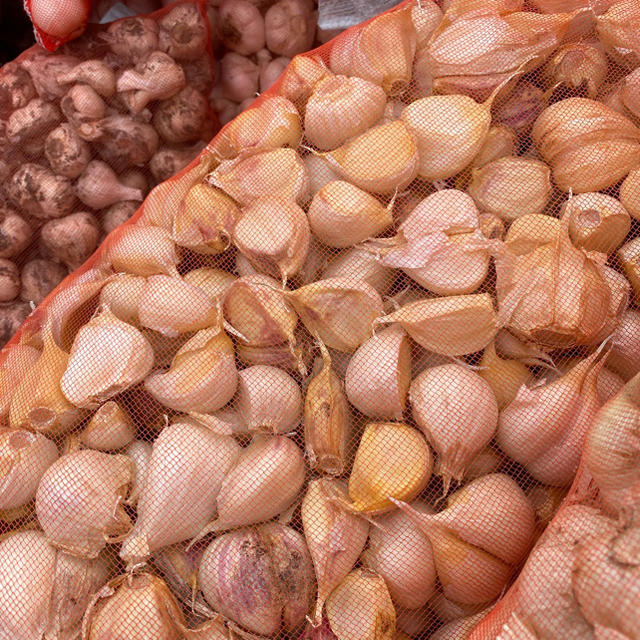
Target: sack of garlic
(368, 368)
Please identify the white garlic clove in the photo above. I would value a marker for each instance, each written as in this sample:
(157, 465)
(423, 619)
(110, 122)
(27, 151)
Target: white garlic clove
(122, 296)
(139, 452)
(110, 428)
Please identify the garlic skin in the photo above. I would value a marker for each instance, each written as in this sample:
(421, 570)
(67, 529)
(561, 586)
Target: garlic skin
(576, 64)
(260, 578)
(122, 296)
(628, 255)
(335, 537)
(504, 375)
(110, 428)
(341, 107)
(17, 361)
(379, 373)
(185, 472)
(400, 553)
(457, 411)
(202, 376)
(126, 357)
(26, 456)
(79, 501)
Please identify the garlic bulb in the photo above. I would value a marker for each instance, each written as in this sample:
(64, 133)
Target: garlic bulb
(341, 107)
(122, 296)
(107, 357)
(17, 360)
(273, 234)
(202, 376)
(457, 411)
(400, 553)
(139, 452)
(342, 215)
(358, 263)
(110, 428)
(379, 374)
(79, 501)
(530, 232)
(25, 458)
(260, 578)
(268, 399)
(185, 472)
(335, 536)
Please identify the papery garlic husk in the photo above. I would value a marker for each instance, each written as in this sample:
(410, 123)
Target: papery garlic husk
(393, 460)
(381, 51)
(511, 187)
(281, 172)
(142, 251)
(19, 359)
(202, 376)
(588, 145)
(545, 425)
(358, 263)
(271, 124)
(618, 30)
(360, 608)
(530, 232)
(504, 375)
(342, 215)
(24, 457)
(460, 628)
(630, 193)
(447, 609)
(487, 461)
(257, 308)
(629, 257)
(576, 64)
(597, 222)
(139, 452)
(557, 295)
(273, 234)
(327, 420)
(453, 325)
(545, 502)
(79, 501)
(107, 357)
(268, 399)
(190, 308)
(110, 428)
(457, 411)
(38, 402)
(205, 220)
(260, 578)
(400, 553)
(264, 482)
(286, 356)
(510, 346)
(339, 311)
(381, 160)
(187, 467)
(335, 536)
(315, 261)
(379, 374)
(134, 603)
(341, 107)
(214, 282)
(44, 590)
(520, 108)
(299, 78)
(122, 296)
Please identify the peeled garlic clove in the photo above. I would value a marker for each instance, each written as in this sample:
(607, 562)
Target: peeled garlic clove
(185, 472)
(205, 220)
(107, 357)
(342, 215)
(79, 501)
(214, 282)
(19, 359)
(273, 234)
(268, 399)
(504, 375)
(530, 232)
(24, 458)
(379, 374)
(335, 536)
(110, 428)
(453, 325)
(629, 257)
(142, 251)
(360, 608)
(630, 193)
(261, 578)
(139, 452)
(341, 107)
(381, 160)
(327, 421)
(597, 222)
(359, 264)
(338, 310)
(122, 296)
(256, 307)
(280, 172)
(400, 553)
(202, 376)
(190, 308)
(392, 460)
(511, 187)
(457, 411)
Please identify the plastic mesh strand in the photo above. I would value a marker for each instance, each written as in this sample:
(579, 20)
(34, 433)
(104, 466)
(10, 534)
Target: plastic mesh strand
(269, 502)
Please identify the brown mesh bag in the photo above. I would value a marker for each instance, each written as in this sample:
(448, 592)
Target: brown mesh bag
(365, 369)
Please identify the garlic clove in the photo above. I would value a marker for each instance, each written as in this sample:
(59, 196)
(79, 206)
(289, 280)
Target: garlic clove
(122, 295)
(630, 193)
(139, 452)
(286, 356)
(576, 64)
(629, 256)
(357, 263)
(531, 231)
(19, 359)
(504, 375)
(224, 422)
(214, 282)
(299, 78)
(319, 171)
(110, 428)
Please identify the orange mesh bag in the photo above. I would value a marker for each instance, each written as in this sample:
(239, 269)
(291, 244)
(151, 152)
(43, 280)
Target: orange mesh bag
(366, 369)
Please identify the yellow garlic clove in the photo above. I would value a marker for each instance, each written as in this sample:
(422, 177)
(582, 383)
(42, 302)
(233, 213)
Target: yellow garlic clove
(122, 296)
(630, 193)
(110, 428)
(618, 30)
(202, 376)
(629, 257)
(576, 64)
(19, 359)
(107, 357)
(530, 232)
(505, 376)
